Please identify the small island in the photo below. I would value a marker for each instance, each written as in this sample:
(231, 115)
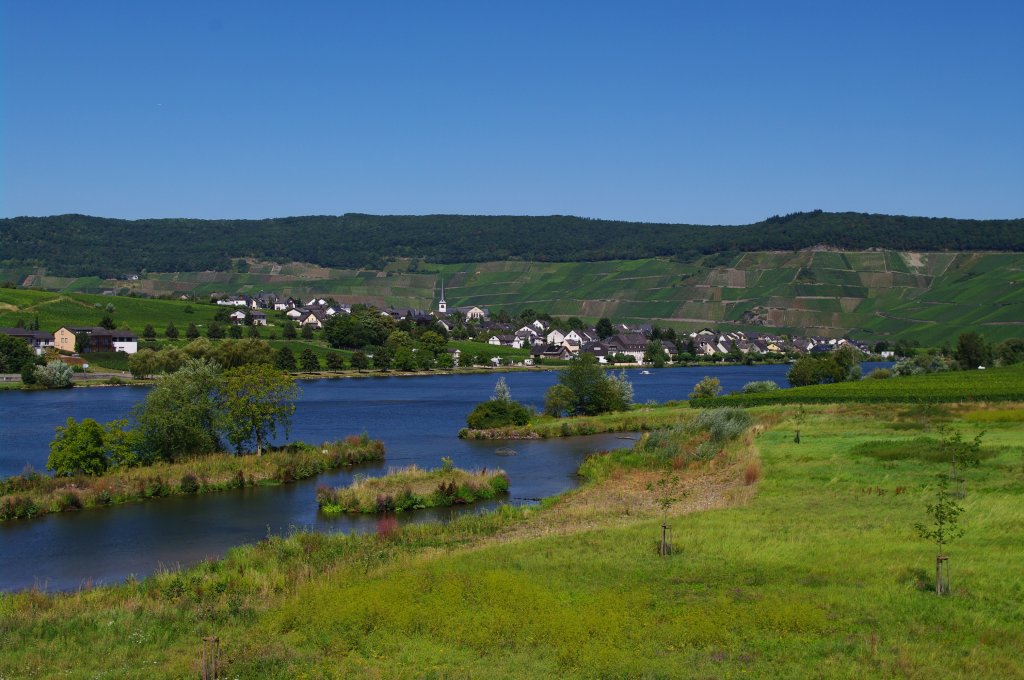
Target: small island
(412, 488)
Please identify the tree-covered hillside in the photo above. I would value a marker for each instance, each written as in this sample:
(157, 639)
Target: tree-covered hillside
(80, 245)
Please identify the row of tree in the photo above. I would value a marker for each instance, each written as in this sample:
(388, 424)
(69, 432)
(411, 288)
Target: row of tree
(188, 413)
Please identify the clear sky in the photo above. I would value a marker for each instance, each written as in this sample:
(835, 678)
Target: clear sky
(711, 112)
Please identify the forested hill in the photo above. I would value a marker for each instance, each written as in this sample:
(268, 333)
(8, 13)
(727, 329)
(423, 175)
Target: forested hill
(80, 245)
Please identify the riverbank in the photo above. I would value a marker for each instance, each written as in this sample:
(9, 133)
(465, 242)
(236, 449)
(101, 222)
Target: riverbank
(412, 488)
(32, 494)
(575, 588)
(640, 418)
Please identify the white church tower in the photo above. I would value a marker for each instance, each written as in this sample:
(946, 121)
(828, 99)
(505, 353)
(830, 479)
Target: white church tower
(442, 306)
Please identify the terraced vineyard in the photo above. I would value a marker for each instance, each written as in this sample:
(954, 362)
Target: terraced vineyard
(931, 297)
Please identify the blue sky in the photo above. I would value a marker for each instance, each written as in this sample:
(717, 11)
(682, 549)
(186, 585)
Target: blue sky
(700, 112)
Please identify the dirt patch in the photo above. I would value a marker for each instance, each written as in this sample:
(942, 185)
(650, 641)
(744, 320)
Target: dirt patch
(624, 498)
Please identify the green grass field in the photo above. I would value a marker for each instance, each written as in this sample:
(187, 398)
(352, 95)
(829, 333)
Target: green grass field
(809, 567)
(994, 384)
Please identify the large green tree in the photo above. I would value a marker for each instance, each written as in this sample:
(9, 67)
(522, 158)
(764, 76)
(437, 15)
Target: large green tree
(592, 390)
(257, 400)
(14, 353)
(182, 415)
(78, 449)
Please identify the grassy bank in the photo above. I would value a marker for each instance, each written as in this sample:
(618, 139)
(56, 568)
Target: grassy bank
(640, 418)
(810, 568)
(31, 493)
(412, 488)
(994, 384)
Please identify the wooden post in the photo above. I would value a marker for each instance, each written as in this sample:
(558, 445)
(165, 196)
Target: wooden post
(942, 575)
(796, 439)
(211, 658)
(666, 541)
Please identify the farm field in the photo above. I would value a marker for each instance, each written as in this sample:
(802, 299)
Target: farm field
(791, 560)
(995, 384)
(872, 295)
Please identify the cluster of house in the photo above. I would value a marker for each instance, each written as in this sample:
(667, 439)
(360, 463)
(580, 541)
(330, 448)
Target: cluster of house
(316, 311)
(65, 339)
(633, 341)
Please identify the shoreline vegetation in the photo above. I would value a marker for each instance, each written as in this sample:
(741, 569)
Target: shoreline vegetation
(413, 488)
(751, 586)
(32, 494)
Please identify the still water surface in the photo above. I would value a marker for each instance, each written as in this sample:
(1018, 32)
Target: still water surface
(418, 419)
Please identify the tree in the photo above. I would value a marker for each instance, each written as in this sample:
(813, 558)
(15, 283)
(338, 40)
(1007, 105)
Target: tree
(945, 517)
(288, 332)
(182, 415)
(235, 332)
(806, 371)
(307, 332)
(171, 332)
(501, 391)
(360, 361)
(405, 359)
(253, 332)
(604, 328)
(335, 361)
(284, 359)
(78, 449)
(14, 353)
(192, 332)
(144, 363)
(706, 388)
(28, 373)
(433, 342)
(593, 391)
(55, 374)
(82, 343)
(972, 351)
(309, 361)
(108, 322)
(654, 354)
(257, 401)
(215, 331)
(558, 400)
(149, 333)
(1010, 352)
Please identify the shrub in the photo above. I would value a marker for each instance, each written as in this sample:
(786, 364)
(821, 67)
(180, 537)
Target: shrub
(706, 388)
(68, 500)
(387, 527)
(760, 386)
(189, 483)
(880, 374)
(723, 424)
(18, 507)
(752, 473)
(495, 413)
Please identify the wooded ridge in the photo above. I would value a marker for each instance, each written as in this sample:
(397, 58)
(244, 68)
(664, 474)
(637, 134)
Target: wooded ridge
(81, 245)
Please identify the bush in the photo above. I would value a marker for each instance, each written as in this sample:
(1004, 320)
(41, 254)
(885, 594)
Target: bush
(68, 500)
(494, 413)
(880, 374)
(760, 386)
(188, 483)
(706, 388)
(55, 374)
(723, 424)
(18, 507)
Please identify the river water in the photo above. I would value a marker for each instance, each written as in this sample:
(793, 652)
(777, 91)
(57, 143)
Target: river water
(418, 419)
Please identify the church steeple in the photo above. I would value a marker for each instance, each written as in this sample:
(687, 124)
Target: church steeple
(442, 306)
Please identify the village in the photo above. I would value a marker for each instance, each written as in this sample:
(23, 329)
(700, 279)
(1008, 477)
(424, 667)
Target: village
(546, 339)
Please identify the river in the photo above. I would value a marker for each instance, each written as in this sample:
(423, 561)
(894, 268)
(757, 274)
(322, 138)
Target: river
(417, 417)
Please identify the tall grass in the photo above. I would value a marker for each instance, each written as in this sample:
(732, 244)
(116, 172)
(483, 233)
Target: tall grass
(30, 494)
(412, 488)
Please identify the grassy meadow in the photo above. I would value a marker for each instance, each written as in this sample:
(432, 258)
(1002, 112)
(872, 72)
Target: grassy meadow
(791, 560)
